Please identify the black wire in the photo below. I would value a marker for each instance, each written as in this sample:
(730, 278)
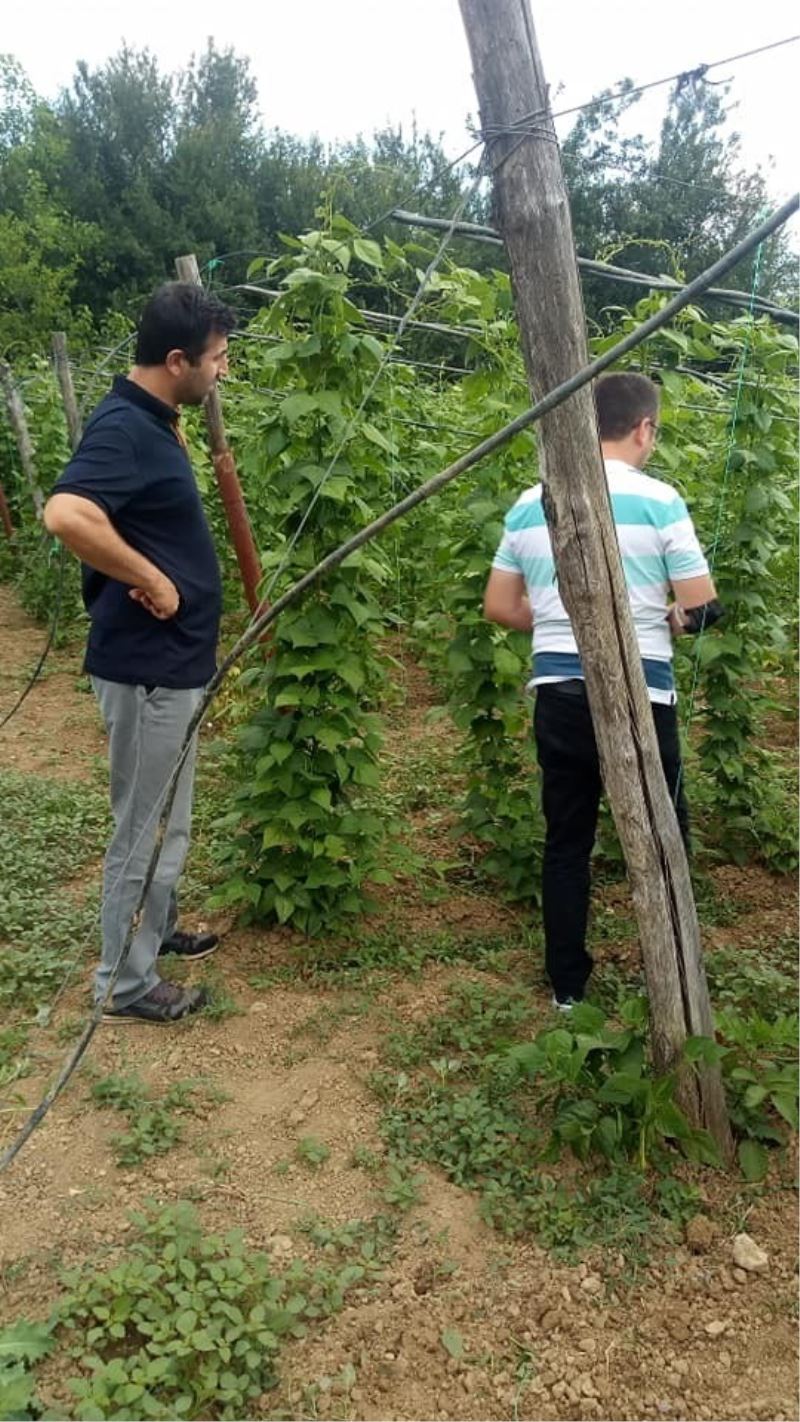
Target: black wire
(50, 639)
(685, 75)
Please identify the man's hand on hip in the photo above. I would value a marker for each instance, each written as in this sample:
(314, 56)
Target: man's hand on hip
(161, 598)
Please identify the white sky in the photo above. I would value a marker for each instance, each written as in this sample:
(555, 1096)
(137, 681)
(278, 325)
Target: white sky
(337, 69)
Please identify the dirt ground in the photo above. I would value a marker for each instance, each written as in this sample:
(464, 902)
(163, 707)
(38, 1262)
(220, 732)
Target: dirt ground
(685, 1336)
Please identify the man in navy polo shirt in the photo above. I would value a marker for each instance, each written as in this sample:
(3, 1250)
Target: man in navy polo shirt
(127, 504)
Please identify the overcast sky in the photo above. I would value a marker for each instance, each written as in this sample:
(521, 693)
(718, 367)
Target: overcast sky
(340, 67)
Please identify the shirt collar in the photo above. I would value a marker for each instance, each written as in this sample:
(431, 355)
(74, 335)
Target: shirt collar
(617, 464)
(137, 395)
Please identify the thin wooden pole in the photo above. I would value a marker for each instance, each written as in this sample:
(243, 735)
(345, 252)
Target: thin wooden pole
(225, 470)
(64, 376)
(19, 424)
(534, 218)
(5, 515)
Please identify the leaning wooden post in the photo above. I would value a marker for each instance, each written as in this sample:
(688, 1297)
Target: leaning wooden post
(19, 424)
(534, 219)
(225, 469)
(5, 515)
(64, 376)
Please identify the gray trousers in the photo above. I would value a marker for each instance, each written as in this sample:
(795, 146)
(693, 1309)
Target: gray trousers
(145, 731)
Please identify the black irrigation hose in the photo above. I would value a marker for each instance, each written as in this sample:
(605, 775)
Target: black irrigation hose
(418, 496)
(51, 636)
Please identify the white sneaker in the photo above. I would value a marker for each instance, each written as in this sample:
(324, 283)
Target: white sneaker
(565, 1006)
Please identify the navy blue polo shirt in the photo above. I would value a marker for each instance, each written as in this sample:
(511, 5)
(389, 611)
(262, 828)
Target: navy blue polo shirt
(133, 465)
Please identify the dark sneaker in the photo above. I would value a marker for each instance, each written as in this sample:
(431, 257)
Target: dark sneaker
(565, 1004)
(166, 1002)
(190, 945)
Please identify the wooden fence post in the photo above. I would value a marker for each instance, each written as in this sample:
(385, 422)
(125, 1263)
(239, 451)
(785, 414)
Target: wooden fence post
(225, 469)
(64, 376)
(19, 424)
(534, 219)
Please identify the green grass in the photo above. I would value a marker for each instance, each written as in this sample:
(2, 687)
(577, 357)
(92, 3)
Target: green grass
(392, 949)
(49, 831)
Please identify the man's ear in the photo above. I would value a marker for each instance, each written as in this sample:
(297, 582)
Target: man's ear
(174, 362)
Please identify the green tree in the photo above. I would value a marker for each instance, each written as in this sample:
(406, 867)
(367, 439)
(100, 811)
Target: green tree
(42, 246)
(212, 172)
(674, 208)
(118, 123)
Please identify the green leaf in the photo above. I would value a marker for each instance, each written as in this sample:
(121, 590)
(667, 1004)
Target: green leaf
(23, 1341)
(753, 1160)
(284, 907)
(453, 1342)
(368, 252)
(786, 1105)
(671, 1121)
(373, 434)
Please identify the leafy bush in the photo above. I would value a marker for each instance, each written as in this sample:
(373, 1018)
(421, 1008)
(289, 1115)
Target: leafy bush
(187, 1325)
(604, 1098)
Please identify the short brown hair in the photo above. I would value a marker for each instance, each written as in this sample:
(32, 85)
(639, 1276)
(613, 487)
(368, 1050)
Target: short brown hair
(180, 316)
(622, 402)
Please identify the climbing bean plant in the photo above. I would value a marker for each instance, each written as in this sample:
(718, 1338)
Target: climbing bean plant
(304, 840)
(305, 836)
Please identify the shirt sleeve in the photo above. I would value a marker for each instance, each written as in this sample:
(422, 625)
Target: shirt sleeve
(683, 555)
(103, 468)
(506, 557)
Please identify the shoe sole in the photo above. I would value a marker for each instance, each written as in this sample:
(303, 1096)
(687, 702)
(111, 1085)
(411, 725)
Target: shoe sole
(120, 1019)
(125, 1017)
(191, 957)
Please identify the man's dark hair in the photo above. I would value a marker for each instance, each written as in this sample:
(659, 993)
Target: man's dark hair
(180, 317)
(622, 402)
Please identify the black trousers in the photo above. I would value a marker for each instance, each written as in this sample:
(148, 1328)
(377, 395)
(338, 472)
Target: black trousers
(571, 790)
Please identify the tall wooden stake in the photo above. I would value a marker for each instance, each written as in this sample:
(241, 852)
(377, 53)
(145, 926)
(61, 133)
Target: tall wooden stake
(225, 469)
(534, 219)
(19, 424)
(64, 377)
(5, 515)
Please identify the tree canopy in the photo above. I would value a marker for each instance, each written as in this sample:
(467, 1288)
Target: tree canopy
(101, 188)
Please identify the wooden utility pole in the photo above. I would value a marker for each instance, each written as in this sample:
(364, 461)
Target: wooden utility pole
(225, 469)
(64, 377)
(19, 424)
(533, 216)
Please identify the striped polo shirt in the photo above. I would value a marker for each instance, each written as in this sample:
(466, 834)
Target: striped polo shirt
(658, 545)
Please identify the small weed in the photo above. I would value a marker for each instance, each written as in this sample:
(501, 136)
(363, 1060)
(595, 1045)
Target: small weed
(155, 1124)
(362, 1158)
(403, 1187)
(312, 1152)
(323, 1024)
(220, 1002)
(372, 1241)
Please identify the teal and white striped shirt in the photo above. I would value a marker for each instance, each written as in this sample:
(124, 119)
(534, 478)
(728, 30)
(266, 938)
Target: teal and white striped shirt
(658, 545)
